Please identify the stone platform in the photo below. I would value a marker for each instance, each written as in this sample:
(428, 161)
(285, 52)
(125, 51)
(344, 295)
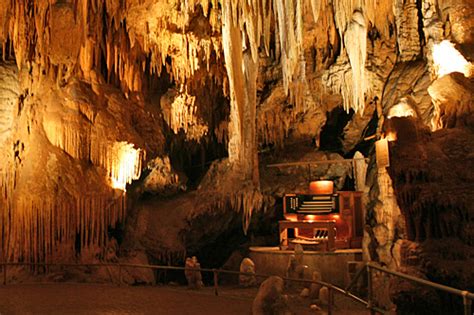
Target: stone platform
(334, 266)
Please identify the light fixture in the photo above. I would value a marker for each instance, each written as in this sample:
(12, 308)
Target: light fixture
(321, 187)
(382, 153)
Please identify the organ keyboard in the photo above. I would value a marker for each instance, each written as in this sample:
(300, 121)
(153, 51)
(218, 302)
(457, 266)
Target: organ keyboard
(322, 221)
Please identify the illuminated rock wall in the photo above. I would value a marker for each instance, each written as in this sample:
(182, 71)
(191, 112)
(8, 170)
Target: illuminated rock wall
(63, 184)
(98, 95)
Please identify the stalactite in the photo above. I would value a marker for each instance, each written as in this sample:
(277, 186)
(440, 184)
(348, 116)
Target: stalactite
(180, 52)
(181, 113)
(289, 17)
(274, 125)
(125, 164)
(232, 43)
(34, 229)
(348, 76)
(352, 19)
(378, 12)
(246, 200)
(316, 9)
(111, 47)
(81, 141)
(355, 40)
(40, 222)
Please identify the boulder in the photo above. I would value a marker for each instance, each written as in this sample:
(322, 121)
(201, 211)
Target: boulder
(270, 298)
(248, 266)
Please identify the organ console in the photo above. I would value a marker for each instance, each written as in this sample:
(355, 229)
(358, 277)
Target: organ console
(322, 221)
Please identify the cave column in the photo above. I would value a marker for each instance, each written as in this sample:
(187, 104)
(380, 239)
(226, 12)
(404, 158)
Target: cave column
(242, 70)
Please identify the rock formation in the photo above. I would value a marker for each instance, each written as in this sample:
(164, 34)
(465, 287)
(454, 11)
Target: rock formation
(192, 273)
(270, 298)
(144, 121)
(248, 266)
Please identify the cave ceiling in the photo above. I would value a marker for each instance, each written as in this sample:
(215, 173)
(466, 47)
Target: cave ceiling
(94, 92)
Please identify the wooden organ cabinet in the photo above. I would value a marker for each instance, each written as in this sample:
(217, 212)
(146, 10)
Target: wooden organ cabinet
(326, 221)
(352, 212)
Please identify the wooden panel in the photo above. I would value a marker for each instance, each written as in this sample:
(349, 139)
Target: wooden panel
(323, 224)
(358, 217)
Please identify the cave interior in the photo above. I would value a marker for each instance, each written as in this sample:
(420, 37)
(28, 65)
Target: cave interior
(149, 131)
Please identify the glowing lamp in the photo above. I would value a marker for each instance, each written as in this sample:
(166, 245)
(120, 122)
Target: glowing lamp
(391, 136)
(321, 187)
(291, 217)
(382, 153)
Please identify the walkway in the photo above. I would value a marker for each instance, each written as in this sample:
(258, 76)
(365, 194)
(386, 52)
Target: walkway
(105, 299)
(95, 299)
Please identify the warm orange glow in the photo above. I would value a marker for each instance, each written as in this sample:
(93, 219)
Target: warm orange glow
(291, 217)
(313, 218)
(382, 153)
(402, 109)
(391, 136)
(321, 187)
(448, 59)
(126, 165)
(181, 113)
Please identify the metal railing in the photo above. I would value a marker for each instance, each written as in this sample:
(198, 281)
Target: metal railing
(369, 267)
(466, 295)
(216, 272)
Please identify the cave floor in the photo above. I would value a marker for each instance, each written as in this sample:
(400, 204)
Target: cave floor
(108, 299)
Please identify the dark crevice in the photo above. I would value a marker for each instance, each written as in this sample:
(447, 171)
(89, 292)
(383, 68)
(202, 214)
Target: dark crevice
(421, 33)
(373, 35)
(194, 157)
(332, 132)
(365, 146)
(7, 51)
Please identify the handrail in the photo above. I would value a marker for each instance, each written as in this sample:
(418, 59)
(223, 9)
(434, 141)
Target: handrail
(215, 272)
(466, 295)
(435, 285)
(300, 163)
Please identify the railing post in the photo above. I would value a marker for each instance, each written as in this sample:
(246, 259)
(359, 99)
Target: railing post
(330, 300)
(5, 274)
(370, 290)
(467, 303)
(120, 274)
(216, 282)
